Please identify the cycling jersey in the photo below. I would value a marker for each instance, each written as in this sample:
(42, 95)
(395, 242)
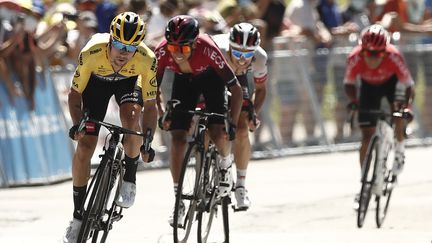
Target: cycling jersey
(94, 61)
(204, 56)
(392, 64)
(258, 65)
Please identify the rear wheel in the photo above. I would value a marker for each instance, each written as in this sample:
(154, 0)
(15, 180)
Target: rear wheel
(367, 180)
(186, 198)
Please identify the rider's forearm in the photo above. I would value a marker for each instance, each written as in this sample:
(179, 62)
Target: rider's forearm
(149, 116)
(159, 101)
(351, 91)
(75, 103)
(236, 102)
(409, 94)
(260, 95)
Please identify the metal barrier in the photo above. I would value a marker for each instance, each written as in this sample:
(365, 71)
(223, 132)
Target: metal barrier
(305, 108)
(308, 100)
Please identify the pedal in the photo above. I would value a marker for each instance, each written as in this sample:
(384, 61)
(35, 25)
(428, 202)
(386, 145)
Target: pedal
(236, 209)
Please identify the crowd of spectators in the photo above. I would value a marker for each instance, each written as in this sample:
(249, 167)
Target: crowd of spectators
(38, 34)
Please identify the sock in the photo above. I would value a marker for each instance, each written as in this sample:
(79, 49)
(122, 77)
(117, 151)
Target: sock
(225, 162)
(131, 166)
(400, 146)
(241, 178)
(79, 193)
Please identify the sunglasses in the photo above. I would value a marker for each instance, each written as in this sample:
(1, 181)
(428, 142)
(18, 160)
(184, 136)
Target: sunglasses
(239, 54)
(128, 48)
(185, 49)
(373, 53)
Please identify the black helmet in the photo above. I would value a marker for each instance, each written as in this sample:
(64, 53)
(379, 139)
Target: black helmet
(182, 29)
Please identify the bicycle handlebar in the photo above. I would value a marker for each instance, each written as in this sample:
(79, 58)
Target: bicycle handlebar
(117, 130)
(383, 114)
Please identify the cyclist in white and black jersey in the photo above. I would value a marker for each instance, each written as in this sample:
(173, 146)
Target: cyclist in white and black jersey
(244, 55)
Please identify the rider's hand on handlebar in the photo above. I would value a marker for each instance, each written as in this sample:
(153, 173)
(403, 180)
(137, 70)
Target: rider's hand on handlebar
(74, 134)
(164, 125)
(399, 105)
(254, 124)
(353, 105)
(147, 156)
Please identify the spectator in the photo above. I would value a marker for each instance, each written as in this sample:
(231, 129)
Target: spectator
(332, 18)
(105, 12)
(302, 13)
(156, 25)
(86, 26)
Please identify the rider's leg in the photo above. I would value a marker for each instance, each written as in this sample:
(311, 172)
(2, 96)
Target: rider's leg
(400, 125)
(81, 170)
(242, 149)
(130, 114)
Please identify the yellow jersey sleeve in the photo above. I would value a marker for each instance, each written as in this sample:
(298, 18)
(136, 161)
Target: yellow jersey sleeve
(147, 79)
(82, 73)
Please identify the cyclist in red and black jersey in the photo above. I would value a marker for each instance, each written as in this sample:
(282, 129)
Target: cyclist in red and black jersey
(200, 68)
(383, 73)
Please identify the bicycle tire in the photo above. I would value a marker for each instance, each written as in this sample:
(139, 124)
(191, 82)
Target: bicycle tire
(226, 201)
(114, 213)
(208, 205)
(186, 193)
(383, 201)
(367, 180)
(95, 203)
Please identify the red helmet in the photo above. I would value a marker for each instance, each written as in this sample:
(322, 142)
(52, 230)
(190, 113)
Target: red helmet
(374, 37)
(182, 29)
(244, 36)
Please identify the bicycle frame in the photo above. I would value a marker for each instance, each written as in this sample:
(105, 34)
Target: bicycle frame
(380, 180)
(99, 209)
(197, 185)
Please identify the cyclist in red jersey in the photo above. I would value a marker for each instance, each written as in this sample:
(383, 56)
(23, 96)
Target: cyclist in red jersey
(383, 73)
(200, 68)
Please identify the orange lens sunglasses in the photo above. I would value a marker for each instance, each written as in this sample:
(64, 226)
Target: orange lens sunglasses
(185, 49)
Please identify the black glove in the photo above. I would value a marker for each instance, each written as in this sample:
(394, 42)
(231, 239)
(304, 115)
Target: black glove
(72, 131)
(353, 105)
(232, 131)
(160, 123)
(150, 152)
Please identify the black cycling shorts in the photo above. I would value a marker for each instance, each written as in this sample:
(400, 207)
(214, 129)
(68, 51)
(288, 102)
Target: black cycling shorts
(370, 99)
(188, 88)
(98, 92)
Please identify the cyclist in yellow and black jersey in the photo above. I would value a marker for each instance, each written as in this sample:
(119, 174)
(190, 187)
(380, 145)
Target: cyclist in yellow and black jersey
(116, 64)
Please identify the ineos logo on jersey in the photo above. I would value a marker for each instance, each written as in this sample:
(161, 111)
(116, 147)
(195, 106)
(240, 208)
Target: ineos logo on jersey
(216, 57)
(160, 53)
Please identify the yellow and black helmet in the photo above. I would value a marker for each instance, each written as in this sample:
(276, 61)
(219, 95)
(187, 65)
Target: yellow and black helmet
(128, 28)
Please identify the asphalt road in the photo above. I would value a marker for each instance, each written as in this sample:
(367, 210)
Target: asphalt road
(295, 199)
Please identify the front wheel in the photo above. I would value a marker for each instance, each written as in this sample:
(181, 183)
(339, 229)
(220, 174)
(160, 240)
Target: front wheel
(383, 201)
(186, 198)
(367, 180)
(208, 204)
(95, 203)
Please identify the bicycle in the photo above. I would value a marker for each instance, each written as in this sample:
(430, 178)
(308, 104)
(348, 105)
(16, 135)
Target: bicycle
(100, 210)
(379, 180)
(199, 178)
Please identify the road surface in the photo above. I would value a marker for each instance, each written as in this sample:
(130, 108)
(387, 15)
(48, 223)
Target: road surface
(297, 199)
